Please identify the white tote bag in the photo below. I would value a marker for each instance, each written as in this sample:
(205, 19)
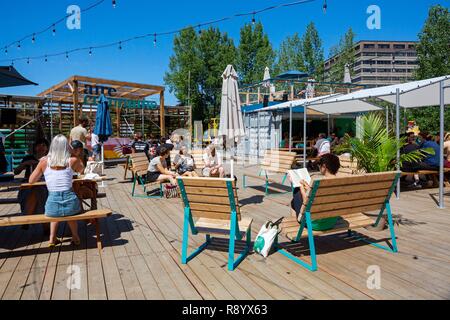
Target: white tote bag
(265, 238)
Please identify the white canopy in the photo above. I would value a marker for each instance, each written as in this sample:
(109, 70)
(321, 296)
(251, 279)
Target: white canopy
(413, 94)
(296, 103)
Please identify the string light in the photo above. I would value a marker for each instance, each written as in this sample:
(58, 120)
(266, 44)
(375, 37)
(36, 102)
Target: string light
(28, 61)
(90, 51)
(33, 40)
(155, 35)
(46, 60)
(6, 50)
(12, 63)
(325, 6)
(253, 19)
(114, 3)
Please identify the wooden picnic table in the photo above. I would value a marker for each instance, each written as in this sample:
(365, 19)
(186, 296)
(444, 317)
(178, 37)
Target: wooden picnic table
(296, 149)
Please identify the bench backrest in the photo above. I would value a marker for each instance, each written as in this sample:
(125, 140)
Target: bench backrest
(348, 167)
(198, 158)
(278, 161)
(210, 197)
(347, 195)
(139, 163)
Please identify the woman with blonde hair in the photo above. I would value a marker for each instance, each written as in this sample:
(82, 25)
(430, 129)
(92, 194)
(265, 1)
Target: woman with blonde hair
(58, 169)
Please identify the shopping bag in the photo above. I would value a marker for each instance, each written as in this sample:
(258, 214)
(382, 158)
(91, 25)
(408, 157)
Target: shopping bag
(265, 238)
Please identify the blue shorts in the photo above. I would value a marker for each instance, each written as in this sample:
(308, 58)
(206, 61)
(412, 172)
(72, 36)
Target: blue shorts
(62, 204)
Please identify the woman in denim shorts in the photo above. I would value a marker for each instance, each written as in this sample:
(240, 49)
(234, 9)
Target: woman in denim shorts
(58, 169)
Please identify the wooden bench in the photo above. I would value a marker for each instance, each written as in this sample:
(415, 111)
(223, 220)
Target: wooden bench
(198, 159)
(214, 204)
(430, 173)
(348, 167)
(348, 198)
(275, 161)
(93, 216)
(139, 168)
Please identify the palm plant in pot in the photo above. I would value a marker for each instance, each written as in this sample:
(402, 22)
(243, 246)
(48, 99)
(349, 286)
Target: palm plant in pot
(376, 150)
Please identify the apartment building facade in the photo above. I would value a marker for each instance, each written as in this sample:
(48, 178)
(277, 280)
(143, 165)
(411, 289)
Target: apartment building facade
(381, 63)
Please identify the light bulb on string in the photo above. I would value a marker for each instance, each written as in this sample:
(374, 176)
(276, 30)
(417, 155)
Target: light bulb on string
(120, 45)
(33, 40)
(90, 51)
(54, 30)
(28, 60)
(67, 56)
(325, 6)
(154, 39)
(199, 29)
(46, 59)
(12, 63)
(253, 19)
(6, 50)
(18, 45)
(114, 4)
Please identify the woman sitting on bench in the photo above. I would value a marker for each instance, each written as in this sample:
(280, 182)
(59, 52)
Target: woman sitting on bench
(157, 168)
(329, 165)
(58, 169)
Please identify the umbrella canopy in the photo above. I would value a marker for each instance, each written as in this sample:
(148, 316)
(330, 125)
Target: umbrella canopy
(231, 121)
(292, 75)
(103, 127)
(266, 74)
(9, 77)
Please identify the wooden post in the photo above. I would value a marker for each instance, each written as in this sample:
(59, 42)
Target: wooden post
(118, 119)
(75, 103)
(60, 117)
(162, 115)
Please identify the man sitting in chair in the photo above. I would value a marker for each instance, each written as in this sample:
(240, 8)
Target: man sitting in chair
(213, 163)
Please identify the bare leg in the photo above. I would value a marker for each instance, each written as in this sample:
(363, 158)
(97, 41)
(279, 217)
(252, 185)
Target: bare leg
(53, 231)
(165, 177)
(73, 226)
(222, 172)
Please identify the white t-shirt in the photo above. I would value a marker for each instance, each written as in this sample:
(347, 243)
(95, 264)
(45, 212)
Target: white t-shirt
(213, 161)
(323, 146)
(94, 140)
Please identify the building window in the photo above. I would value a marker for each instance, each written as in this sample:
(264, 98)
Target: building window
(412, 46)
(384, 46)
(399, 46)
(369, 46)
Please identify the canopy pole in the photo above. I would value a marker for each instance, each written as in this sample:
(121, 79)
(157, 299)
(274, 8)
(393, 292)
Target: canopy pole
(258, 134)
(305, 111)
(290, 128)
(387, 119)
(441, 147)
(328, 125)
(397, 131)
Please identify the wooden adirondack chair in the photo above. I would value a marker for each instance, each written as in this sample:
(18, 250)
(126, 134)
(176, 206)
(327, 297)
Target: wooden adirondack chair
(213, 204)
(348, 198)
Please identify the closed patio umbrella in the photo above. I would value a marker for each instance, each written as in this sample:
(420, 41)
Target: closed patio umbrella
(231, 121)
(103, 127)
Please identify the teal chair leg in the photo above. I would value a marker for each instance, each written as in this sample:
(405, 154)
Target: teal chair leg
(235, 234)
(134, 187)
(312, 248)
(184, 247)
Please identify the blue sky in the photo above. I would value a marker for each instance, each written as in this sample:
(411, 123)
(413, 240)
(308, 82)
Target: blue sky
(141, 62)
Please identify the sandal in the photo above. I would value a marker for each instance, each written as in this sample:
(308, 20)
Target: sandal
(56, 243)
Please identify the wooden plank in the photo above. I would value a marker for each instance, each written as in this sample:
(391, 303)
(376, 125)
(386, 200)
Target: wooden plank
(208, 191)
(350, 196)
(343, 212)
(212, 215)
(353, 188)
(213, 208)
(335, 206)
(193, 198)
(358, 179)
(207, 182)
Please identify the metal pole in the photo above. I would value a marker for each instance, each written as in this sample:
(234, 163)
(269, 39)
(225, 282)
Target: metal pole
(305, 111)
(328, 125)
(441, 148)
(258, 143)
(387, 119)
(290, 128)
(397, 131)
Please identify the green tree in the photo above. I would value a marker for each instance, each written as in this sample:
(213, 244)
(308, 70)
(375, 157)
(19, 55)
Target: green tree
(184, 61)
(255, 53)
(204, 57)
(344, 54)
(434, 43)
(433, 52)
(313, 52)
(216, 51)
(289, 55)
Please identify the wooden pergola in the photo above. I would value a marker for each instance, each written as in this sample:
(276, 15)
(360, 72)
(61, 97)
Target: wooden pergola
(76, 88)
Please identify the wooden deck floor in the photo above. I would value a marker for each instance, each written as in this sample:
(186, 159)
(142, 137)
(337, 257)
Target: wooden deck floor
(141, 256)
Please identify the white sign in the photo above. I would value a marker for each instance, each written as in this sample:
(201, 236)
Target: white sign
(74, 17)
(374, 20)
